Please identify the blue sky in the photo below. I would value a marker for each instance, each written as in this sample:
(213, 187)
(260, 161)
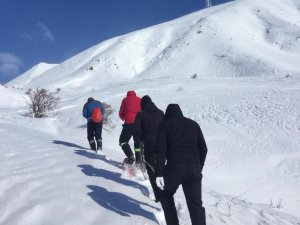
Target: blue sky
(52, 31)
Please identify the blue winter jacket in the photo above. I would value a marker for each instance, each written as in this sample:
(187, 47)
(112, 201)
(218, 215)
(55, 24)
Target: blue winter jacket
(88, 108)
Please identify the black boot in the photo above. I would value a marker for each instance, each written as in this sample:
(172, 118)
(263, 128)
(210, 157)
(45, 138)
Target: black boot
(99, 144)
(92, 144)
(128, 161)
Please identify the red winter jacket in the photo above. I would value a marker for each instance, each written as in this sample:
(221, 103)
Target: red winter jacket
(130, 107)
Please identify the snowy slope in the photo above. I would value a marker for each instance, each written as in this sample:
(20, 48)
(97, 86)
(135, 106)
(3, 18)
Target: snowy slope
(31, 74)
(9, 98)
(251, 127)
(245, 98)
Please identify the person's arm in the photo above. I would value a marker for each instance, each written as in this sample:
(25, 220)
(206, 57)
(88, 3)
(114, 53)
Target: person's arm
(201, 146)
(161, 152)
(122, 110)
(138, 127)
(84, 111)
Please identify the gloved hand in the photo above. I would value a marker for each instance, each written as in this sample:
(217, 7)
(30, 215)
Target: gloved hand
(160, 182)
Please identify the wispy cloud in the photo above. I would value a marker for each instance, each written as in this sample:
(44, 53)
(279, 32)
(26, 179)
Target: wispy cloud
(41, 32)
(9, 64)
(45, 32)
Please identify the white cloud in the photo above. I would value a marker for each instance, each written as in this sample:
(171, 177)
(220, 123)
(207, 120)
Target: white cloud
(41, 32)
(9, 64)
(45, 32)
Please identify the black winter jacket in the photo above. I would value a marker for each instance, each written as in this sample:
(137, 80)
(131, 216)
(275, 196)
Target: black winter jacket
(147, 123)
(180, 141)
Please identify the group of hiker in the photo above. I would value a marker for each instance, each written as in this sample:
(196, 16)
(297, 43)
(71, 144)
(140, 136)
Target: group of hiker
(173, 146)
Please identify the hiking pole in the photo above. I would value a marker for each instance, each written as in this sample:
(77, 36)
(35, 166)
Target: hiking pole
(143, 166)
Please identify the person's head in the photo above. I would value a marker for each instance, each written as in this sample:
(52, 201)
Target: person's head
(145, 101)
(90, 99)
(129, 93)
(173, 110)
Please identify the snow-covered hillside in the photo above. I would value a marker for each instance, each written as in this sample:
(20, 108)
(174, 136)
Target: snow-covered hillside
(251, 176)
(9, 98)
(245, 96)
(237, 39)
(31, 74)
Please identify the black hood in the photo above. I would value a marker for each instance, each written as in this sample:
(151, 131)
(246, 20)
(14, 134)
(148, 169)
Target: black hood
(145, 101)
(149, 107)
(172, 111)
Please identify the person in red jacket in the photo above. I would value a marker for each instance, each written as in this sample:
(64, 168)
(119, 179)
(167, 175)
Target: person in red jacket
(129, 108)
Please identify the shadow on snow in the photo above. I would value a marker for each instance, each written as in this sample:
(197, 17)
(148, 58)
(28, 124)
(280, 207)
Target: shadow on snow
(119, 203)
(93, 155)
(114, 201)
(90, 155)
(113, 176)
(68, 144)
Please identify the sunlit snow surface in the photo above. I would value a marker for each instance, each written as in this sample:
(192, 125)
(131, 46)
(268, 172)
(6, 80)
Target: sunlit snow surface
(245, 96)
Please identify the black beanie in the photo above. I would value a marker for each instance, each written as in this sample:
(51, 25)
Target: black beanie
(145, 100)
(90, 99)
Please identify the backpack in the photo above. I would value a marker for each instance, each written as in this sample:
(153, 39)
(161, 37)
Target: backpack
(97, 115)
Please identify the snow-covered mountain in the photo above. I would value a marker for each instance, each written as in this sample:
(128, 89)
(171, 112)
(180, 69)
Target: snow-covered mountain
(237, 39)
(233, 68)
(31, 74)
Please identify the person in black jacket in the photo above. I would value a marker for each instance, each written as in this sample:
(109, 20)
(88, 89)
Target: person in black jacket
(182, 145)
(147, 123)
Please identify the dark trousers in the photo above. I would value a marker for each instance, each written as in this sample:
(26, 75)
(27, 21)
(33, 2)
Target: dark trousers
(150, 157)
(126, 134)
(94, 133)
(190, 177)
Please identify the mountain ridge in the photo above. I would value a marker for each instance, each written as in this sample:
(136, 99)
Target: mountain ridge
(236, 39)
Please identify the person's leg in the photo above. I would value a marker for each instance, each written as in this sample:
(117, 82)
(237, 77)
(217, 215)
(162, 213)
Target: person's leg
(150, 162)
(124, 140)
(90, 135)
(137, 147)
(192, 191)
(168, 206)
(98, 135)
(172, 178)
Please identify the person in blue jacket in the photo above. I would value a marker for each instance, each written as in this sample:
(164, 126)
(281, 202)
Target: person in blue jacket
(94, 129)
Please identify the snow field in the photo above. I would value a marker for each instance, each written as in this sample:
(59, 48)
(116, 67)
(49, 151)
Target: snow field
(238, 78)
